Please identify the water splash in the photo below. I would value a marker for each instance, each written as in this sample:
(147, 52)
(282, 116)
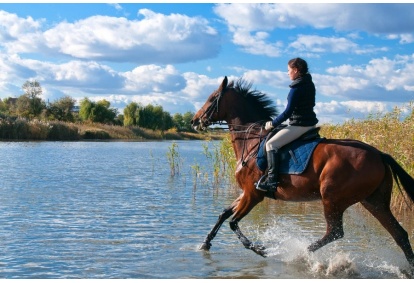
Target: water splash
(287, 239)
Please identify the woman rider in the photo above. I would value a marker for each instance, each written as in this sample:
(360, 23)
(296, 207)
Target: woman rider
(299, 111)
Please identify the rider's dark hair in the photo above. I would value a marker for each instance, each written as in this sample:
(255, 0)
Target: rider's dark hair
(299, 64)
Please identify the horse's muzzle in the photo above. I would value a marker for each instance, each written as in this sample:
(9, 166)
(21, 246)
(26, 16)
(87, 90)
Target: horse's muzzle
(199, 125)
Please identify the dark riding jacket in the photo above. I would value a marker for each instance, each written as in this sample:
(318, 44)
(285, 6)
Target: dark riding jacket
(301, 100)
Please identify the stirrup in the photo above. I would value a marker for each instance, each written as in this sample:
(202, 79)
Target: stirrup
(271, 189)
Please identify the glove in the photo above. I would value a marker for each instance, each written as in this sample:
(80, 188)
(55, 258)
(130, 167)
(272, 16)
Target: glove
(269, 125)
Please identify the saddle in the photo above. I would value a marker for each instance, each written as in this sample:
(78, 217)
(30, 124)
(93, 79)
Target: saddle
(295, 156)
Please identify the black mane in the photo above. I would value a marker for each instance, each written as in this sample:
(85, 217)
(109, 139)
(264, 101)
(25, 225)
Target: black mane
(257, 101)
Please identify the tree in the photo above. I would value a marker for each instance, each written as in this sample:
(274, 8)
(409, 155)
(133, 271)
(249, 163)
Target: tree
(131, 114)
(99, 112)
(154, 118)
(178, 121)
(85, 109)
(167, 121)
(30, 104)
(61, 109)
(3, 107)
(187, 117)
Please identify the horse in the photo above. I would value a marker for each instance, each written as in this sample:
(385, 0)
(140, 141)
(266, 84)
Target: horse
(340, 173)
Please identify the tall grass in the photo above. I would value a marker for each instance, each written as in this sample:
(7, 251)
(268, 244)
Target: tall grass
(392, 133)
(22, 129)
(174, 159)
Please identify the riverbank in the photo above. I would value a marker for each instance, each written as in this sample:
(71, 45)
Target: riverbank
(22, 130)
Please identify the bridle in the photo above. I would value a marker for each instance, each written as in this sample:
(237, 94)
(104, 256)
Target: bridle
(214, 108)
(211, 109)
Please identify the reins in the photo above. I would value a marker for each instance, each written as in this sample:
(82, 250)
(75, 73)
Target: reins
(248, 135)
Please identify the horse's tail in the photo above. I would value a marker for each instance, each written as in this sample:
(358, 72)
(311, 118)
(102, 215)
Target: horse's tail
(401, 177)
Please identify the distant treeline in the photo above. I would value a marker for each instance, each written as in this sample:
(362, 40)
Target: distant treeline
(30, 107)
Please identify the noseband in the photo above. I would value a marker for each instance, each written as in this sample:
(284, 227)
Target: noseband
(212, 108)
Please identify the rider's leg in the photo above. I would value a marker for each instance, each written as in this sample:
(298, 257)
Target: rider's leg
(281, 138)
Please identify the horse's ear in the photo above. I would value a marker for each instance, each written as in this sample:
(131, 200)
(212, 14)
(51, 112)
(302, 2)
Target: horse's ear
(224, 84)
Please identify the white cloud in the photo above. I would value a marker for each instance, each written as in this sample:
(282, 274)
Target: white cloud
(319, 44)
(374, 18)
(251, 25)
(256, 43)
(387, 79)
(334, 111)
(12, 27)
(153, 78)
(156, 38)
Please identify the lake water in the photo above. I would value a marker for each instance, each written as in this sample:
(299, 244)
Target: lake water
(113, 210)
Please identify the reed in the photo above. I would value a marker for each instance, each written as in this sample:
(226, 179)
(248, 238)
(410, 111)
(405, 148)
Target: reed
(174, 159)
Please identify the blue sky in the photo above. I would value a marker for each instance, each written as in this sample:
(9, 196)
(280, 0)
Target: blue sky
(361, 56)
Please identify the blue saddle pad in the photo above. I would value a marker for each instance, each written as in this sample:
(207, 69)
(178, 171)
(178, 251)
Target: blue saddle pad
(294, 157)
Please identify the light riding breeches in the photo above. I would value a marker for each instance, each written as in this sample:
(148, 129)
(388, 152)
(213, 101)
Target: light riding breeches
(285, 136)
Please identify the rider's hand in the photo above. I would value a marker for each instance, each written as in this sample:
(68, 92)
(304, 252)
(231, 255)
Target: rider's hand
(269, 125)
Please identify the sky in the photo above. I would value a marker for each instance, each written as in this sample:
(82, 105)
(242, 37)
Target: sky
(360, 55)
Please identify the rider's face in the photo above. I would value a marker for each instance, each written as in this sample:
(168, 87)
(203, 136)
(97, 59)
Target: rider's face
(293, 73)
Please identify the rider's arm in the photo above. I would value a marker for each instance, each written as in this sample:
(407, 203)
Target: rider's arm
(292, 101)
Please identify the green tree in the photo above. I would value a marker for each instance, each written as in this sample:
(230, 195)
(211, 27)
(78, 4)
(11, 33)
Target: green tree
(187, 117)
(178, 121)
(167, 121)
(99, 112)
(3, 108)
(131, 114)
(85, 109)
(154, 117)
(61, 109)
(103, 113)
(30, 104)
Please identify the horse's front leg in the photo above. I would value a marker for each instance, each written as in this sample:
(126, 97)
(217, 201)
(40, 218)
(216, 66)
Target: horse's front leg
(245, 205)
(259, 249)
(223, 217)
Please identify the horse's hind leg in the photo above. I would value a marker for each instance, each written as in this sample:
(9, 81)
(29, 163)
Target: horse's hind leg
(378, 204)
(334, 227)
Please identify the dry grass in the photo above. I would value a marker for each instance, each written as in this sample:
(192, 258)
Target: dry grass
(390, 133)
(22, 129)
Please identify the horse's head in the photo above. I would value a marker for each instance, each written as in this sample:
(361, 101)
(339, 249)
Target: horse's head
(236, 104)
(209, 112)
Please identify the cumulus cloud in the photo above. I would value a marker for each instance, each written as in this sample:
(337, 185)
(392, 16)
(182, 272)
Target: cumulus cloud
(252, 23)
(156, 38)
(377, 18)
(334, 111)
(12, 27)
(389, 79)
(321, 44)
(153, 78)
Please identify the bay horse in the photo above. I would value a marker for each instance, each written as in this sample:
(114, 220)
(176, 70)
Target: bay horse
(340, 173)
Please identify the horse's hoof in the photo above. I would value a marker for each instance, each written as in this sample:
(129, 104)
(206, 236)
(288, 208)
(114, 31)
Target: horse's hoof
(408, 274)
(204, 246)
(259, 249)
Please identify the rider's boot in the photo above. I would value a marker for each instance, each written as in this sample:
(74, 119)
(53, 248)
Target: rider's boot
(271, 182)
